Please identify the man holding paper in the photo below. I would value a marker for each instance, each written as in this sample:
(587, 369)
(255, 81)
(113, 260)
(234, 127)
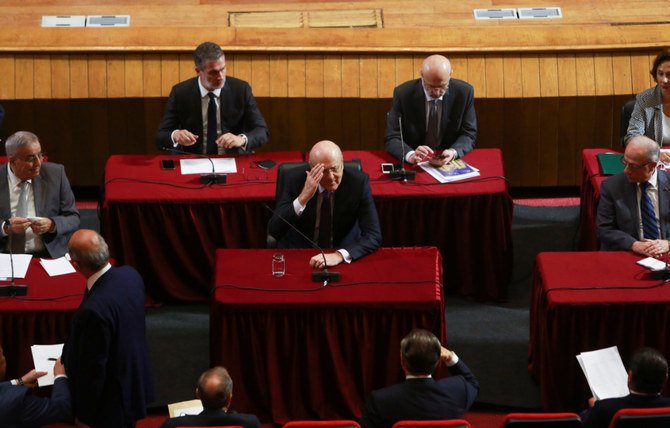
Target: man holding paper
(647, 375)
(20, 408)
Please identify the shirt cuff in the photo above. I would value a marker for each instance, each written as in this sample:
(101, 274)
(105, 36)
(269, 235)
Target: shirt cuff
(246, 141)
(454, 359)
(2, 229)
(60, 376)
(408, 156)
(345, 255)
(297, 207)
(174, 143)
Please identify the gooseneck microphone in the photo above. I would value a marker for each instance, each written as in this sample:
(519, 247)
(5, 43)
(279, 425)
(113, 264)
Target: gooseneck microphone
(213, 178)
(318, 276)
(12, 289)
(402, 173)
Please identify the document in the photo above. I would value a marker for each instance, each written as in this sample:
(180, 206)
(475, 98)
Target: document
(183, 408)
(453, 171)
(652, 263)
(44, 358)
(55, 267)
(21, 263)
(204, 166)
(604, 372)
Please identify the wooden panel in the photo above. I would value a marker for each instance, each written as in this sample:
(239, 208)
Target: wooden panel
(602, 65)
(133, 76)
(242, 67)
(25, 76)
(459, 66)
(260, 75)
(385, 77)
(530, 73)
(332, 76)
(621, 72)
(169, 73)
(368, 76)
(350, 76)
(279, 81)
(477, 76)
(314, 76)
(640, 66)
(151, 76)
(404, 70)
(79, 76)
(567, 75)
(495, 84)
(549, 141)
(7, 88)
(60, 76)
(297, 85)
(116, 79)
(512, 79)
(42, 76)
(97, 76)
(548, 72)
(584, 65)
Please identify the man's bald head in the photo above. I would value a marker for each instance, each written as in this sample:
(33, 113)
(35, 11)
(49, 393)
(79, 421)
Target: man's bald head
(215, 389)
(88, 249)
(329, 154)
(435, 75)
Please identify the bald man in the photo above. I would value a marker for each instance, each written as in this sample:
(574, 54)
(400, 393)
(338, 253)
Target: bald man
(438, 116)
(215, 391)
(624, 224)
(330, 204)
(106, 353)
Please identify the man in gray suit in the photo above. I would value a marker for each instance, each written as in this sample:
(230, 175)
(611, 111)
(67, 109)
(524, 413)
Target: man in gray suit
(36, 201)
(634, 208)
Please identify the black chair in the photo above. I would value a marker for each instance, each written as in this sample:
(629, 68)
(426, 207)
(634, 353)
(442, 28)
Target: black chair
(283, 168)
(626, 112)
(541, 420)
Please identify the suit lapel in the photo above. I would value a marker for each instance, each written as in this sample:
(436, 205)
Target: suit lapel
(224, 102)
(196, 108)
(419, 108)
(40, 189)
(663, 203)
(630, 197)
(4, 192)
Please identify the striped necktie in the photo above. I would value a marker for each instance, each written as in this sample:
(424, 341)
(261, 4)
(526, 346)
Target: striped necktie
(649, 221)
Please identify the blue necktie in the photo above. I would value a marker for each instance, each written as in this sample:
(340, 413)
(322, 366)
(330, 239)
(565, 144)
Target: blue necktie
(649, 221)
(212, 149)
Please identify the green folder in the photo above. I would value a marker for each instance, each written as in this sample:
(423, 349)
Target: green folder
(610, 163)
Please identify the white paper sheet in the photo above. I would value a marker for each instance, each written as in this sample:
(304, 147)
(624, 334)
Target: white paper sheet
(55, 267)
(44, 358)
(204, 166)
(183, 408)
(605, 373)
(652, 263)
(21, 263)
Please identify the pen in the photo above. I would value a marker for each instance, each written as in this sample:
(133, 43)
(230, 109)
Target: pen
(52, 359)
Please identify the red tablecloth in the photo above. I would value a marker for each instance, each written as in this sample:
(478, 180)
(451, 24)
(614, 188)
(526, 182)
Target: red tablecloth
(470, 222)
(586, 301)
(589, 198)
(41, 317)
(297, 350)
(168, 225)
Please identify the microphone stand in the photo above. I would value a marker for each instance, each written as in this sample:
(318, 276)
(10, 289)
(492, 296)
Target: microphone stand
(12, 289)
(402, 173)
(213, 178)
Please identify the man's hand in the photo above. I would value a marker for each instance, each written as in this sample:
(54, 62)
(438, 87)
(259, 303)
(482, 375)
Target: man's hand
(592, 401)
(184, 137)
(59, 368)
(664, 157)
(42, 225)
(446, 355)
(30, 378)
(420, 154)
(312, 181)
(445, 158)
(19, 224)
(651, 248)
(332, 259)
(229, 141)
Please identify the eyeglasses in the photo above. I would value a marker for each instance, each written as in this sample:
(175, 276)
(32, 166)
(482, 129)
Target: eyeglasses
(633, 166)
(33, 158)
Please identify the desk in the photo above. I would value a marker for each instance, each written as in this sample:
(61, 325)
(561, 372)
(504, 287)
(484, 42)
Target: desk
(589, 198)
(36, 318)
(588, 316)
(470, 222)
(168, 225)
(316, 353)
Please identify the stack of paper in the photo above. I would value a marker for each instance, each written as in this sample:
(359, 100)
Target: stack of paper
(453, 171)
(604, 372)
(55, 267)
(21, 263)
(44, 358)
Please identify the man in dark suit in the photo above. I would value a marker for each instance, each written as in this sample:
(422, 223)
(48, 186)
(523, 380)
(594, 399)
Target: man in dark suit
(634, 207)
(215, 391)
(438, 116)
(330, 204)
(647, 374)
(212, 113)
(20, 408)
(421, 397)
(106, 353)
(36, 201)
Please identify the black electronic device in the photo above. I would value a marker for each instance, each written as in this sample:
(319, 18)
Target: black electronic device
(167, 164)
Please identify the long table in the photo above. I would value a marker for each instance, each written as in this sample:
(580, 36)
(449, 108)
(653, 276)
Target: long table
(168, 225)
(586, 301)
(298, 350)
(470, 221)
(42, 316)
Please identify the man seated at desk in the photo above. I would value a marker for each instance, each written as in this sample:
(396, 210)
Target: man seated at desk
(331, 205)
(36, 200)
(634, 207)
(212, 113)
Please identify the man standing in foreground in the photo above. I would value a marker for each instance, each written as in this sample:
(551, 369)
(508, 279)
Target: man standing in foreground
(106, 353)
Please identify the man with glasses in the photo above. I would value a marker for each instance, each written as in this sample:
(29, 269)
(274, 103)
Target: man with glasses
(437, 114)
(634, 208)
(36, 201)
(212, 113)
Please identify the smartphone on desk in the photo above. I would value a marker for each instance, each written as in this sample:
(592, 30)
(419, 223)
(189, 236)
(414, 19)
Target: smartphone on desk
(167, 164)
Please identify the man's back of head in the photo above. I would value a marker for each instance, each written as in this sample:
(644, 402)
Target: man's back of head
(215, 389)
(420, 352)
(648, 371)
(88, 250)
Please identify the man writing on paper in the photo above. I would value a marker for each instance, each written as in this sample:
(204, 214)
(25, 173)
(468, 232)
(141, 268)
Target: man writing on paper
(647, 374)
(438, 116)
(36, 200)
(212, 113)
(20, 408)
(330, 204)
(634, 207)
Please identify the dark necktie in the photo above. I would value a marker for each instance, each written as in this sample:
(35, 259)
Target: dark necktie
(212, 149)
(649, 221)
(326, 221)
(19, 238)
(432, 138)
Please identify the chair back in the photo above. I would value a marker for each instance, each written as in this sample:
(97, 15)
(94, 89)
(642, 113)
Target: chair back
(626, 112)
(458, 423)
(541, 420)
(641, 418)
(341, 423)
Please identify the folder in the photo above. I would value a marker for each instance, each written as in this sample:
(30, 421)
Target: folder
(610, 163)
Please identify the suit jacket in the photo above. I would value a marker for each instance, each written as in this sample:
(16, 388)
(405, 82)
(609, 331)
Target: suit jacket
(53, 199)
(647, 116)
(422, 399)
(238, 110)
(355, 221)
(618, 218)
(458, 126)
(106, 353)
(602, 412)
(20, 408)
(213, 418)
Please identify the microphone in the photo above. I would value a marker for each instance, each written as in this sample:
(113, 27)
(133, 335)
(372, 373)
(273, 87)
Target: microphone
(317, 276)
(213, 178)
(402, 173)
(12, 289)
